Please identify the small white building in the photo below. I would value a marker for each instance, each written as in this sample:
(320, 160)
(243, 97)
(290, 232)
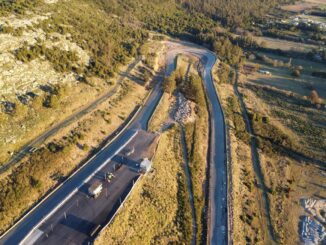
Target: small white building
(265, 72)
(145, 165)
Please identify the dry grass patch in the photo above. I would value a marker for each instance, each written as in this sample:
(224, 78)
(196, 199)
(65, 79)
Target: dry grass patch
(274, 43)
(161, 114)
(285, 123)
(303, 5)
(19, 128)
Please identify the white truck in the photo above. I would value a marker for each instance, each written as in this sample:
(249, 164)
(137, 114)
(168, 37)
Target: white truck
(95, 189)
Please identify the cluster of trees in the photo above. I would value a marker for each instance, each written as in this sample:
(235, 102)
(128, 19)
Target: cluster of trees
(191, 87)
(233, 13)
(274, 62)
(20, 108)
(232, 54)
(43, 169)
(63, 61)
(103, 28)
(16, 6)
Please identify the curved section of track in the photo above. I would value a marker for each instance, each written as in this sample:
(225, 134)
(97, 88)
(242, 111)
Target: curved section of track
(217, 208)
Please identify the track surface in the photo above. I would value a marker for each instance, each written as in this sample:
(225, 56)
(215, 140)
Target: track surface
(218, 189)
(217, 213)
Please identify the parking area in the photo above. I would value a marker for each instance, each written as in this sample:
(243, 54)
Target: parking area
(82, 216)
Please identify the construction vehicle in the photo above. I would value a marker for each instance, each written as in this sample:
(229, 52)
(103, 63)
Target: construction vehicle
(109, 177)
(95, 189)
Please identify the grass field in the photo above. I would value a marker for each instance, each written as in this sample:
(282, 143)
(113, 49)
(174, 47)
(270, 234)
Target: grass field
(304, 5)
(274, 43)
(290, 141)
(158, 210)
(281, 77)
(161, 115)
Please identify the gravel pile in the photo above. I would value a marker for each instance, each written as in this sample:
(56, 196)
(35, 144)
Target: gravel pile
(183, 108)
(312, 232)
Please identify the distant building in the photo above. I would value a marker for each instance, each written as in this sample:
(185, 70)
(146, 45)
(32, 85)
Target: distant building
(145, 165)
(265, 72)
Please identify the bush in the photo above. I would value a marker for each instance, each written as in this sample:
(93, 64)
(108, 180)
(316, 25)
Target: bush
(51, 101)
(224, 73)
(54, 148)
(296, 73)
(35, 183)
(315, 97)
(62, 61)
(169, 84)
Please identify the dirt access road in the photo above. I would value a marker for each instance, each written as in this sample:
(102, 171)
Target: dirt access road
(26, 149)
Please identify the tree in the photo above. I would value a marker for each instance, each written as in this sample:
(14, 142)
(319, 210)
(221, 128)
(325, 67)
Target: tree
(224, 73)
(37, 102)
(169, 84)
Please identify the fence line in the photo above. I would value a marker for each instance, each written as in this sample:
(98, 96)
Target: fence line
(138, 178)
(120, 206)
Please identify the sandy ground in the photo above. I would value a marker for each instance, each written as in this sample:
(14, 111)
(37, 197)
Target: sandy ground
(304, 5)
(274, 43)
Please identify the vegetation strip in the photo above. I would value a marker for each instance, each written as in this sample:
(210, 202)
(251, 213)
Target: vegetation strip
(257, 167)
(189, 184)
(41, 138)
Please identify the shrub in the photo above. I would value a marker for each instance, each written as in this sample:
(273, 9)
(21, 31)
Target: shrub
(296, 73)
(63, 61)
(54, 147)
(224, 73)
(51, 101)
(35, 183)
(315, 97)
(169, 84)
